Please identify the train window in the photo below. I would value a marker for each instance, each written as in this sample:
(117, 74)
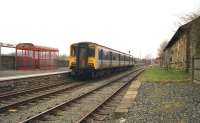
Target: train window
(127, 58)
(121, 58)
(73, 51)
(91, 52)
(106, 57)
(113, 56)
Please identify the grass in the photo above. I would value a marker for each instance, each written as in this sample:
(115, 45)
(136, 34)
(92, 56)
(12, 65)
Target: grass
(155, 74)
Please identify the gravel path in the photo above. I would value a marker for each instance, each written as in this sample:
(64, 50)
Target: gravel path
(166, 102)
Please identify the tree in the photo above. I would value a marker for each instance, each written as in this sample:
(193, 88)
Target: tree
(161, 48)
(148, 57)
(188, 17)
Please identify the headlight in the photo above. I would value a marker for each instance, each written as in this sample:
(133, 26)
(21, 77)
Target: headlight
(73, 63)
(90, 64)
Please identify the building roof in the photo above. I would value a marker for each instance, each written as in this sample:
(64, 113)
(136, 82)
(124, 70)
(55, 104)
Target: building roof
(36, 47)
(182, 29)
(7, 45)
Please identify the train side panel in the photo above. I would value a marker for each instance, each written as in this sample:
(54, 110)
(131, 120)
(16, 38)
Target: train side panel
(102, 63)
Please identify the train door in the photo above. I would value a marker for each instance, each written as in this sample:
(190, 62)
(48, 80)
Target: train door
(101, 58)
(82, 57)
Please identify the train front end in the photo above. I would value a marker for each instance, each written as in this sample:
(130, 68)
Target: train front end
(82, 59)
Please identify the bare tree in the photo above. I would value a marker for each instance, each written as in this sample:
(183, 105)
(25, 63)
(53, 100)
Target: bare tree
(161, 48)
(148, 57)
(188, 17)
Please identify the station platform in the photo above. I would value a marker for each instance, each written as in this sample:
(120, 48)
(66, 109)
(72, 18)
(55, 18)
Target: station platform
(15, 74)
(128, 99)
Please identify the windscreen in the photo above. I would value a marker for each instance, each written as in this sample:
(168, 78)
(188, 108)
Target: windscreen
(74, 50)
(91, 52)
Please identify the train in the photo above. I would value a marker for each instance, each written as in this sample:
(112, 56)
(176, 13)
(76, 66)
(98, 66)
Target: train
(91, 60)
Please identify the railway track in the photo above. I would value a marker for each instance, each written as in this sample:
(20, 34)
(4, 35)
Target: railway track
(104, 112)
(24, 109)
(19, 99)
(33, 89)
(79, 108)
(17, 93)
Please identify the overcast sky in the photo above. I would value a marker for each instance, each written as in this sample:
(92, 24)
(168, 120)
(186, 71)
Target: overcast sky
(136, 25)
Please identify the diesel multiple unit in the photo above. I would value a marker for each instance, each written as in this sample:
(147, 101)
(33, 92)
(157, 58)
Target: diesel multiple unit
(92, 60)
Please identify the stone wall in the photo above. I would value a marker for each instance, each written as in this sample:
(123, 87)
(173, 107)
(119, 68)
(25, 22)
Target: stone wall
(186, 45)
(32, 82)
(178, 53)
(176, 56)
(195, 38)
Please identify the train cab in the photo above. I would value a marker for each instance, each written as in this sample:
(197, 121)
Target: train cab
(82, 56)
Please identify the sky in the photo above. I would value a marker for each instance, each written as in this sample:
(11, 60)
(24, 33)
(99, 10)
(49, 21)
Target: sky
(138, 26)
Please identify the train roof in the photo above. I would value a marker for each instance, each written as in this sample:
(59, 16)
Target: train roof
(101, 46)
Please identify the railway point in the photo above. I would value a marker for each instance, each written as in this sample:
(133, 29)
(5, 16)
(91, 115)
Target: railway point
(100, 61)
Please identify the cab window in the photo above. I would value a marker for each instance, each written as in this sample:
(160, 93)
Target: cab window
(91, 52)
(73, 51)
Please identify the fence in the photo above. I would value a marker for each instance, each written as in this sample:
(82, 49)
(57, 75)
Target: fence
(196, 69)
(7, 61)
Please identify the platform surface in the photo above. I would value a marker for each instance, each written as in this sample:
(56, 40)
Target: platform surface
(128, 99)
(15, 74)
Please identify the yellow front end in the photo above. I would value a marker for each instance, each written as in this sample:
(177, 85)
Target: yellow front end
(92, 62)
(72, 61)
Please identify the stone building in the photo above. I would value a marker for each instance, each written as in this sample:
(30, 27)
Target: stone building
(184, 45)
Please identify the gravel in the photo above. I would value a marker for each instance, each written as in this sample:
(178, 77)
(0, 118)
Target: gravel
(23, 113)
(166, 102)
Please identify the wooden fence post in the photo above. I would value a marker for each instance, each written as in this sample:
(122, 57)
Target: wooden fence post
(193, 69)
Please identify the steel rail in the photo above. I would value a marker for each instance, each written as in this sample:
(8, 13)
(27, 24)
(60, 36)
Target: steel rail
(16, 93)
(9, 106)
(107, 99)
(74, 99)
